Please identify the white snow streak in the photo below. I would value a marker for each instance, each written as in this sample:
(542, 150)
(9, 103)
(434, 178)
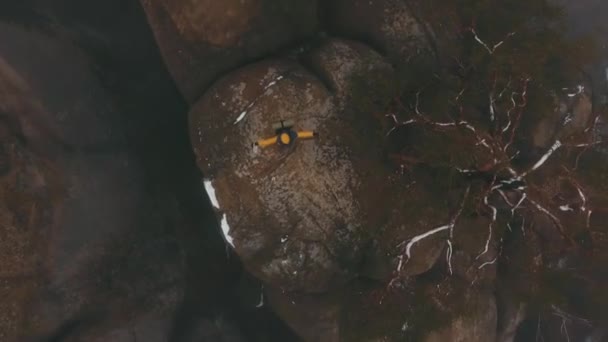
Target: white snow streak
(496, 46)
(521, 200)
(261, 303)
(494, 213)
(504, 197)
(226, 231)
(487, 264)
(400, 265)
(266, 88)
(243, 113)
(556, 145)
(398, 123)
(492, 113)
(579, 90)
(583, 198)
(448, 256)
(211, 193)
(546, 212)
(415, 239)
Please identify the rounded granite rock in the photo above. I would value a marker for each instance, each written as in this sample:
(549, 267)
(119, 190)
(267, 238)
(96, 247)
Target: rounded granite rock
(203, 40)
(295, 214)
(390, 25)
(290, 212)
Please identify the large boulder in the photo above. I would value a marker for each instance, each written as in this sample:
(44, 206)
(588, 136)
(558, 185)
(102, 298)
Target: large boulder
(91, 248)
(202, 40)
(294, 215)
(389, 25)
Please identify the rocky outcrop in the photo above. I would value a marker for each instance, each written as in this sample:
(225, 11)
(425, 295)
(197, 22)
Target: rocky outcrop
(293, 214)
(454, 189)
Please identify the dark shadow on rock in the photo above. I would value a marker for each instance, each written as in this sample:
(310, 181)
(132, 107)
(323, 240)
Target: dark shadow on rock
(120, 49)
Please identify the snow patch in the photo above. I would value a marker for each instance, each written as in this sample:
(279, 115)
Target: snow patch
(261, 303)
(211, 193)
(241, 116)
(579, 90)
(415, 239)
(226, 231)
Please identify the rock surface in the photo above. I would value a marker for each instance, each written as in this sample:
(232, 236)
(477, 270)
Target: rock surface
(202, 40)
(456, 189)
(336, 177)
(296, 219)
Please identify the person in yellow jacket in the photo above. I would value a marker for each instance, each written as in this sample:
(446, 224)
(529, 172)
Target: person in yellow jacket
(285, 135)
